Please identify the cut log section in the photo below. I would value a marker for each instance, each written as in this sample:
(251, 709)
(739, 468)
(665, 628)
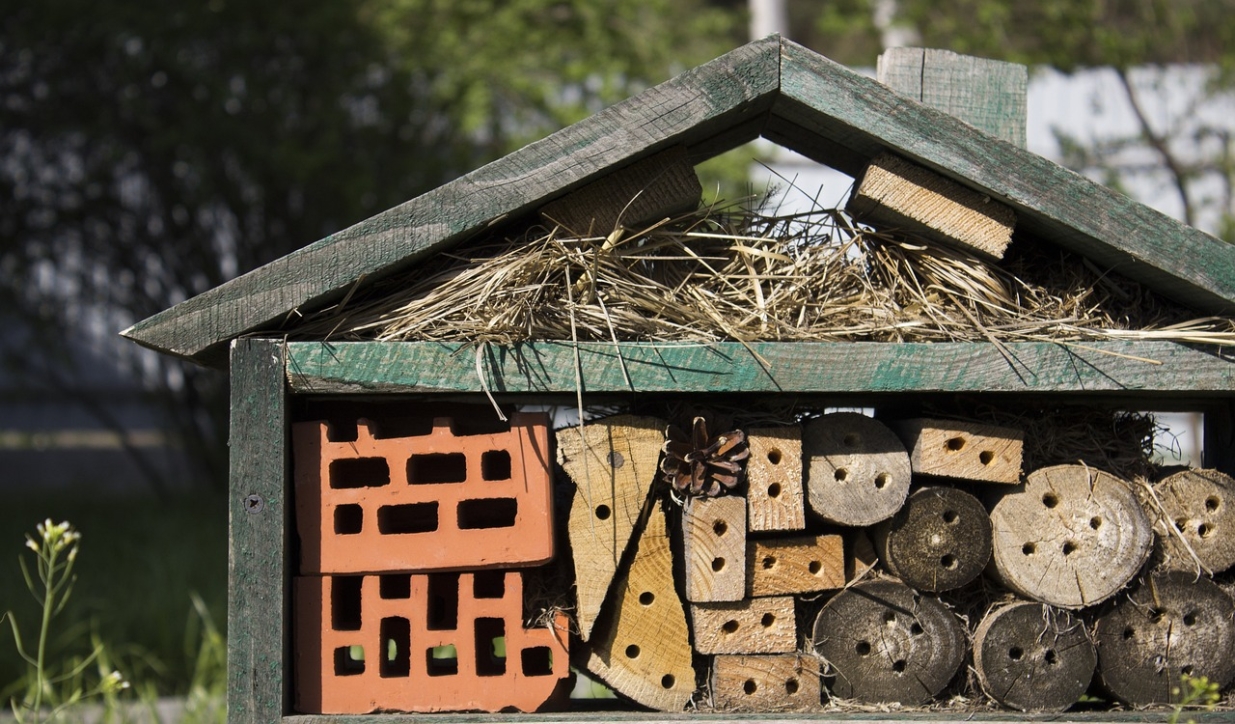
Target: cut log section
(1194, 514)
(1071, 536)
(887, 643)
(1033, 657)
(766, 683)
(1173, 624)
(774, 493)
(754, 626)
(940, 539)
(857, 469)
(657, 187)
(613, 464)
(963, 450)
(714, 546)
(804, 564)
(643, 649)
(894, 193)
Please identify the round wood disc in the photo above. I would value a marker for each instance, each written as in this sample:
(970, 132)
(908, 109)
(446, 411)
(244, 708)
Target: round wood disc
(857, 470)
(1033, 657)
(1071, 536)
(1173, 624)
(887, 643)
(939, 540)
(1197, 506)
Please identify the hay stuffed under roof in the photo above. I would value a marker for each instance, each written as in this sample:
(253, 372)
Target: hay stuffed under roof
(731, 274)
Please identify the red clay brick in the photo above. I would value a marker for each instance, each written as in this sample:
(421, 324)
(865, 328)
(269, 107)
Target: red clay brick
(399, 619)
(439, 501)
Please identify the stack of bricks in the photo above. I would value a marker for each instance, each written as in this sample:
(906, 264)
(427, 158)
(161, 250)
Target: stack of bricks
(410, 593)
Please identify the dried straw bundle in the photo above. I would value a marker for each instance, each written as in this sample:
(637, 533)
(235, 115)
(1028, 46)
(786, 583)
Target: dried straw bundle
(732, 275)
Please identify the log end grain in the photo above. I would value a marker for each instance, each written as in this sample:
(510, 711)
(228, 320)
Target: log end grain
(714, 547)
(1032, 657)
(858, 471)
(940, 539)
(1194, 515)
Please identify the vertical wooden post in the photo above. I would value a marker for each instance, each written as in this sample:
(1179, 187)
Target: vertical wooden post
(257, 600)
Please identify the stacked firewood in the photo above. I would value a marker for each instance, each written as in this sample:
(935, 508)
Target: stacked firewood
(774, 568)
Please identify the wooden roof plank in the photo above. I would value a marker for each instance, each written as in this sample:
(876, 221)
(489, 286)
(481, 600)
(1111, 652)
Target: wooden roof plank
(726, 93)
(730, 367)
(821, 98)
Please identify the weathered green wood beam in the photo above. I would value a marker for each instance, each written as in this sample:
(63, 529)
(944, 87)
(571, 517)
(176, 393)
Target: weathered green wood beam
(858, 367)
(821, 99)
(731, 92)
(257, 591)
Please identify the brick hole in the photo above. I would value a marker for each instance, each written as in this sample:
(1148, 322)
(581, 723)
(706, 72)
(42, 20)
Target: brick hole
(406, 519)
(437, 468)
(536, 661)
(889, 617)
(489, 584)
(495, 465)
(667, 681)
(359, 473)
(646, 598)
(481, 513)
(349, 660)
(750, 687)
(490, 647)
(345, 603)
(774, 490)
(767, 620)
(1180, 524)
(718, 564)
(1128, 633)
(402, 427)
(442, 660)
(915, 629)
(954, 444)
(720, 527)
(478, 425)
(730, 626)
(1186, 670)
(1156, 615)
(341, 431)
(986, 457)
(443, 613)
(396, 637)
(348, 519)
(775, 456)
(393, 585)
(1204, 530)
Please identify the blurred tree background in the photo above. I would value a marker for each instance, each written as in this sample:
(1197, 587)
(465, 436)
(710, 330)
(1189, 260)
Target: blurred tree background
(152, 150)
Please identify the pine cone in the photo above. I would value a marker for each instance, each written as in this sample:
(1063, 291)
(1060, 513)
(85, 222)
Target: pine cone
(702, 465)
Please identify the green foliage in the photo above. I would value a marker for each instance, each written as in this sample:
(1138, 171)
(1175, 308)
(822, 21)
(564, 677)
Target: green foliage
(1196, 692)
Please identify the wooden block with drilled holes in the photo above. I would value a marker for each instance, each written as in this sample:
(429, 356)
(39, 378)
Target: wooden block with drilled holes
(897, 194)
(783, 566)
(962, 450)
(752, 626)
(649, 190)
(714, 544)
(766, 683)
(775, 497)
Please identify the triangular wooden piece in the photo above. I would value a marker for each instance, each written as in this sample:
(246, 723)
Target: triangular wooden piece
(613, 464)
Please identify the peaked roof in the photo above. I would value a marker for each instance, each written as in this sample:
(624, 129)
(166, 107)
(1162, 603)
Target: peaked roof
(772, 88)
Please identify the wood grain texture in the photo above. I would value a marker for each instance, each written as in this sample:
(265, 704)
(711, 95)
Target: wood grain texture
(1031, 657)
(940, 539)
(990, 95)
(258, 602)
(644, 652)
(802, 564)
(862, 118)
(962, 449)
(846, 367)
(857, 471)
(775, 495)
(714, 548)
(894, 194)
(613, 465)
(753, 626)
(766, 683)
(688, 109)
(1193, 514)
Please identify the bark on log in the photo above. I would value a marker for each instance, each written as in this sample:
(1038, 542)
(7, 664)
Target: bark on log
(766, 683)
(1071, 536)
(1194, 514)
(887, 643)
(1033, 657)
(857, 469)
(1172, 624)
(939, 540)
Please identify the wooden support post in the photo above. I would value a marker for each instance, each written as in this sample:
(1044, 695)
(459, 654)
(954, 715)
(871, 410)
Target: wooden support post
(857, 470)
(1032, 657)
(775, 496)
(804, 564)
(613, 463)
(766, 683)
(643, 649)
(714, 545)
(962, 450)
(753, 626)
(258, 603)
(659, 186)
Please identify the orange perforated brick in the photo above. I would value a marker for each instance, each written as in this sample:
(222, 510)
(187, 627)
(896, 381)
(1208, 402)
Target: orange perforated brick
(437, 501)
(422, 643)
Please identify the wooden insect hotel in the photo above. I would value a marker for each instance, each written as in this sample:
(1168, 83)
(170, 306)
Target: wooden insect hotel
(558, 426)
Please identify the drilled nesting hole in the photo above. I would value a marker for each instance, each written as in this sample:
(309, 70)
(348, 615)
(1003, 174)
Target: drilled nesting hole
(792, 686)
(632, 652)
(767, 620)
(774, 490)
(750, 687)
(720, 527)
(775, 456)
(730, 626)
(1016, 653)
(986, 457)
(1212, 503)
(815, 567)
(1050, 500)
(853, 439)
(882, 480)
(863, 648)
(841, 475)
(718, 564)
(603, 512)
(1029, 549)
(667, 681)
(955, 444)
(948, 561)
(950, 516)
(1069, 547)
(646, 598)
